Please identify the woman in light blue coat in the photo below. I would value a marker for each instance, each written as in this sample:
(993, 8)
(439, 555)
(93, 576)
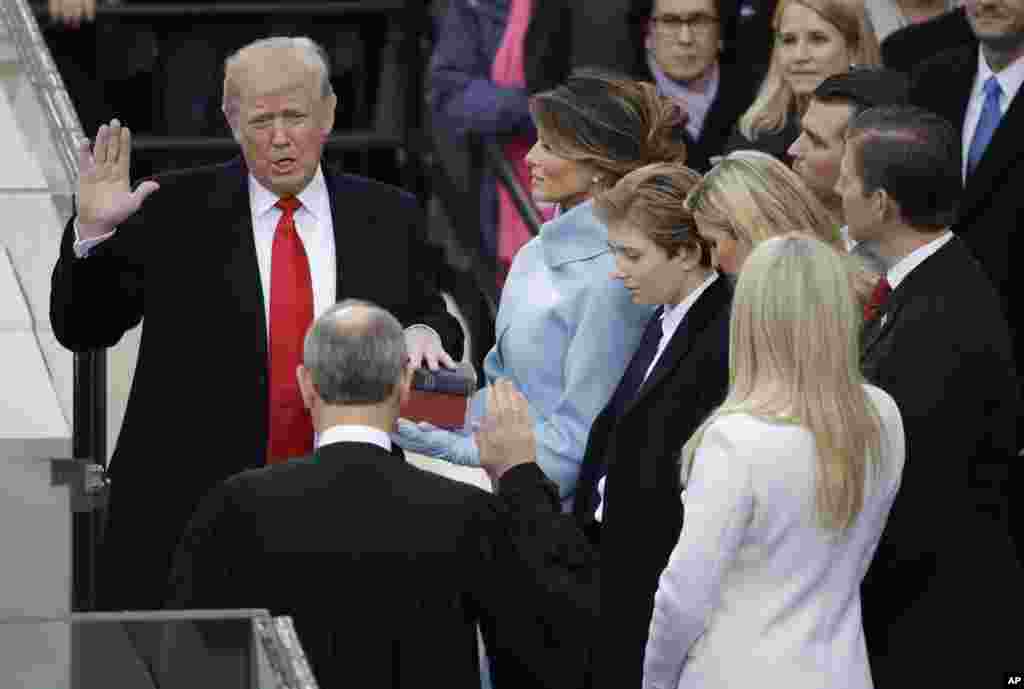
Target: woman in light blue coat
(565, 329)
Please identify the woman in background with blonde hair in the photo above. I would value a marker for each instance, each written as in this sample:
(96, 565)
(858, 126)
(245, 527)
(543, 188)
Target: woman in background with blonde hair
(814, 39)
(787, 488)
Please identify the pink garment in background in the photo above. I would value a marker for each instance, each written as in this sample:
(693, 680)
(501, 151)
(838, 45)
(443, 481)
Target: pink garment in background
(508, 71)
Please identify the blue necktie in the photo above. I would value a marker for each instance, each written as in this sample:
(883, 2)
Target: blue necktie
(630, 384)
(987, 123)
(633, 378)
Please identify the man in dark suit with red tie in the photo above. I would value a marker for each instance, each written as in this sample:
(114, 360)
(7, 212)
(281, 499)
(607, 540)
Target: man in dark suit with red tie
(944, 570)
(227, 266)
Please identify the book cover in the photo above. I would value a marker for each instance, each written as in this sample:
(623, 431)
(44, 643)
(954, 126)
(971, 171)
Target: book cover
(440, 397)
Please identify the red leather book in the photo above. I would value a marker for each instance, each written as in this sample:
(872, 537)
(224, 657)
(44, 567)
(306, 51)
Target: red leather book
(440, 397)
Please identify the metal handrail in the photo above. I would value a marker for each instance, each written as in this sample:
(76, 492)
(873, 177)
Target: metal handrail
(61, 116)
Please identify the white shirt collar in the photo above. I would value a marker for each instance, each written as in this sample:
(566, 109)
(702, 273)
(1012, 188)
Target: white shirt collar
(314, 198)
(1010, 78)
(354, 434)
(672, 316)
(901, 270)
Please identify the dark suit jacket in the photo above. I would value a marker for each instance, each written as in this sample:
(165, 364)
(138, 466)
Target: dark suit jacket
(944, 565)
(913, 44)
(773, 143)
(197, 413)
(992, 206)
(643, 514)
(385, 568)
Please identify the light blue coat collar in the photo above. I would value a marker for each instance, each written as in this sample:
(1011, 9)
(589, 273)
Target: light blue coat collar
(575, 235)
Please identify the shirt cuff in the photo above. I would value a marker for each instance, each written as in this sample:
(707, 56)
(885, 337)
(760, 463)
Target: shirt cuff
(82, 247)
(423, 326)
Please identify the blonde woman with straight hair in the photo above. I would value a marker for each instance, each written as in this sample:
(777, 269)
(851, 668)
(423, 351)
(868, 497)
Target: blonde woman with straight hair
(750, 196)
(787, 488)
(814, 39)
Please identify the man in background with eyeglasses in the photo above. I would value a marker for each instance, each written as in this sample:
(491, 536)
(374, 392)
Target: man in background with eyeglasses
(686, 52)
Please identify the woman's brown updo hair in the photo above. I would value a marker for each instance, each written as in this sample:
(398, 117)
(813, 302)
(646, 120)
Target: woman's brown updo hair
(610, 123)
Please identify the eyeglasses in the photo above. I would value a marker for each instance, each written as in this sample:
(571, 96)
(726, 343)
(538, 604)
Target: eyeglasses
(670, 25)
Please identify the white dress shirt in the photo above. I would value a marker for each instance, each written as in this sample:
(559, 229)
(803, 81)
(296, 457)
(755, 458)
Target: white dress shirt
(314, 224)
(902, 268)
(671, 317)
(354, 434)
(315, 228)
(1010, 80)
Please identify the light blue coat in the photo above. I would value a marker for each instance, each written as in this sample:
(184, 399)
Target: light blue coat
(565, 332)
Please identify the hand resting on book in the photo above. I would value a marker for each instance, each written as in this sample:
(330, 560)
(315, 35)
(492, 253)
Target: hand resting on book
(425, 439)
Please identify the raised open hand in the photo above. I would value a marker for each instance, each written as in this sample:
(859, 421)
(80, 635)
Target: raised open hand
(505, 436)
(105, 198)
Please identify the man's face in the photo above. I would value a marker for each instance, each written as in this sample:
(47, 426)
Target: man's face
(998, 24)
(818, 150)
(860, 210)
(645, 269)
(686, 36)
(282, 123)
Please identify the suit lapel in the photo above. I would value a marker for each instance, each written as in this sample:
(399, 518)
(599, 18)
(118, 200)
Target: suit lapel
(1000, 159)
(961, 67)
(335, 183)
(915, 283)
(230, 218)
(698, 318)
(889, 314)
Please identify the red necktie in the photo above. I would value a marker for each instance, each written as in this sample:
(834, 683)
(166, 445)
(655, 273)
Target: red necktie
(878, 297)
(291, 312)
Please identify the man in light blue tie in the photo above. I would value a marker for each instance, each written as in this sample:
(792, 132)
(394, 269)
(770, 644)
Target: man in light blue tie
(976, 87)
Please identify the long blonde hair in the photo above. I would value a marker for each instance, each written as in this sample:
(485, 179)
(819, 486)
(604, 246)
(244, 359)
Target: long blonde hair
(793, 356)
(754, 196)
(775, 100)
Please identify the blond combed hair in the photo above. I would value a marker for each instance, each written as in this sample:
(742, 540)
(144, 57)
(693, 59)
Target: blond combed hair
(775, 99)
(755, 196)
(304, 49)
(794, 357)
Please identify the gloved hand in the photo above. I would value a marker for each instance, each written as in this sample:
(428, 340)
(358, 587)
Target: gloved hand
(426, 439)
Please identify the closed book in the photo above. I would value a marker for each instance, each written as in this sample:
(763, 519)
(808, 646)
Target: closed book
(453, 381)
(440, 397)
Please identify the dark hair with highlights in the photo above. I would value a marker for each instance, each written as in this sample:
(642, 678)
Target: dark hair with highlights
(611, 123)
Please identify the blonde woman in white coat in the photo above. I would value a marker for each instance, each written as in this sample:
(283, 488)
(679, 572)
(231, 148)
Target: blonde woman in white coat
(787, 487)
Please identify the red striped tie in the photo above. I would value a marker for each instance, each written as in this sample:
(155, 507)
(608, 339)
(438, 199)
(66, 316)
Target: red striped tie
(877, 301)
(291, 312)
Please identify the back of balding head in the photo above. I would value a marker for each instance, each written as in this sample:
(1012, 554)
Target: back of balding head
(355, 353)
